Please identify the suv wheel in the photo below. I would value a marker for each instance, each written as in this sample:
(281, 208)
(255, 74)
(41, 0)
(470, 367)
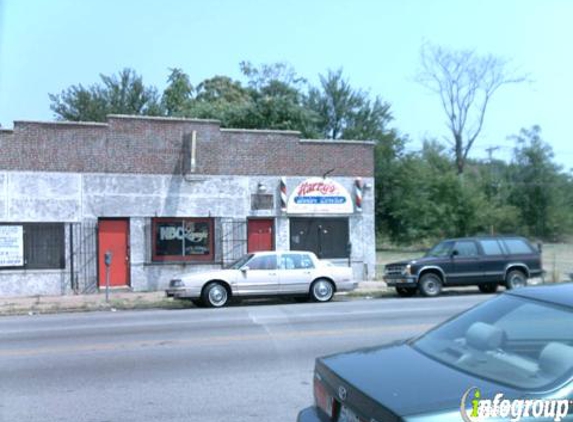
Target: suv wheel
(488, 287)
(430, 285)
(515, 279)
(406, 291)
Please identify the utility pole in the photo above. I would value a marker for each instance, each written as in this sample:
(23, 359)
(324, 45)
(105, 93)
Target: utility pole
(490, 152)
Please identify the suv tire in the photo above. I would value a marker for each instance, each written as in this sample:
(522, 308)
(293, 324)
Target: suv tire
(515, 279)
(406, 291)
(488, 287)
(430, 285)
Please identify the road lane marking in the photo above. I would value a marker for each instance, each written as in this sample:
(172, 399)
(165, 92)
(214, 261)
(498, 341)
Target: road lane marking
(212, 341)
(265, 317)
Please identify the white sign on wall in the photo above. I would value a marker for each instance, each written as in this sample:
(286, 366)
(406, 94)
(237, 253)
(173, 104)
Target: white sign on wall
(320, 196)
(11, 246)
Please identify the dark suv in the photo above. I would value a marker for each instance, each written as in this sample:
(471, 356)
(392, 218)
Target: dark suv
(483, 261)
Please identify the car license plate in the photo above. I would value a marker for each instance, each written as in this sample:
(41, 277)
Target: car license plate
(347, 415)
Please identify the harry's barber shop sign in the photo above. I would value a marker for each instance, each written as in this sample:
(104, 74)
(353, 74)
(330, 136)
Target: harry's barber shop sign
(320, 196)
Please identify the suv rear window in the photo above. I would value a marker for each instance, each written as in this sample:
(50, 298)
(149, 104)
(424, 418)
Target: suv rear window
(517, 246)
(491, 247)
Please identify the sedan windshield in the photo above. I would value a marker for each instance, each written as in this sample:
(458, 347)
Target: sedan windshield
(510, 340)
(240, 262)
(441, 249)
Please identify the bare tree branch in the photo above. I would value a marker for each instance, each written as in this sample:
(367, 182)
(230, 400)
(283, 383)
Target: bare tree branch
(465, 83)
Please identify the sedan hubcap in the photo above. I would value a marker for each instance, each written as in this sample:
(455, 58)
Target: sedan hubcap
(323, 290)
(218, 295)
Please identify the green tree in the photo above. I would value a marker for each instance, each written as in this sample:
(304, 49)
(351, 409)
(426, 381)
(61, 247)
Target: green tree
(223, 99)
(537, 186)
(263, 75)
(281, 106)
(278, 98)
(123, 93)
(420, 197)
(345, 112)
(223, 89)
(494, 181)
(273, 98)
(178, 93)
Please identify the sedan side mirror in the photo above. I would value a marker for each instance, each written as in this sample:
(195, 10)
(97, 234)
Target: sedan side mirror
(245, 268)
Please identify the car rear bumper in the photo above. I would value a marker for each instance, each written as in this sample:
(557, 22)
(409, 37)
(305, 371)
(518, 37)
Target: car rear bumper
(311, 414)
(403, 281)
(346, 286)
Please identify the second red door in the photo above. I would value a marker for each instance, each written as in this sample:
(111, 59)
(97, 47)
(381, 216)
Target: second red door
(260, 235)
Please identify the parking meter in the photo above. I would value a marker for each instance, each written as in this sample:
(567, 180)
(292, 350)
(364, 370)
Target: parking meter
(107, 258)
(107, 261)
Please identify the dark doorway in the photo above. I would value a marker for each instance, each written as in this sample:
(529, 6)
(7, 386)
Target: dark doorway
(326, 237)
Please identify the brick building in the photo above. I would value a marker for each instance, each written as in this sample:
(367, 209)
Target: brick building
(166, 195)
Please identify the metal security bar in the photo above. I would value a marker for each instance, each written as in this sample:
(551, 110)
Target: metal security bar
(233, 239)
(83, 257)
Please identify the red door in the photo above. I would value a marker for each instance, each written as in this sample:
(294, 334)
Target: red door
(113, 236)
(260, 235)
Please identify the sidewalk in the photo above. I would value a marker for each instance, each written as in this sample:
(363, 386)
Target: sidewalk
(122, 301)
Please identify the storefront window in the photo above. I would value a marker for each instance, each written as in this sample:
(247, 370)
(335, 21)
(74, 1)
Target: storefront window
(182, 239)
(32, 246)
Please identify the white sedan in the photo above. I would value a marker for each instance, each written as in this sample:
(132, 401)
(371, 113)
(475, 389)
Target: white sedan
(289, 273)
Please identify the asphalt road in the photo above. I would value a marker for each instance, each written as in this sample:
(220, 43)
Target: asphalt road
(247, 363)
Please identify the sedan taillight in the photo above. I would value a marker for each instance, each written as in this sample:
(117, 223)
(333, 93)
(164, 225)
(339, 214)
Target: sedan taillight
(323, 400)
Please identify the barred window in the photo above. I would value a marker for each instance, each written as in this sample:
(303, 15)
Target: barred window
(44, 245)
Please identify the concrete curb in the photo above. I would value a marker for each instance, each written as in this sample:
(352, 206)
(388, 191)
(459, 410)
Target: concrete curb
(124, 301)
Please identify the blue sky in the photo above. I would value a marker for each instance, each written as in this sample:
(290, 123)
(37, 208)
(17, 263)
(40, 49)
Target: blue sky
(46, 46)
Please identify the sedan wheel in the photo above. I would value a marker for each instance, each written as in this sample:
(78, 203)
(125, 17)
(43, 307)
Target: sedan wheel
(321, 290)
(215, 295)
(515, 279)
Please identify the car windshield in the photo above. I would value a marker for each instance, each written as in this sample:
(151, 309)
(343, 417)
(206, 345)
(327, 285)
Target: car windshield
(522, 343)
(240, 262)
(441, 249)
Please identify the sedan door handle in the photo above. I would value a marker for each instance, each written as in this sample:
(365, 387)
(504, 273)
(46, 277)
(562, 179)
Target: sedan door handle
(272, 273)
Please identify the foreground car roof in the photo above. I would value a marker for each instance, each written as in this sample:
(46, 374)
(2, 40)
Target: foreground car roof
(559, 294)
